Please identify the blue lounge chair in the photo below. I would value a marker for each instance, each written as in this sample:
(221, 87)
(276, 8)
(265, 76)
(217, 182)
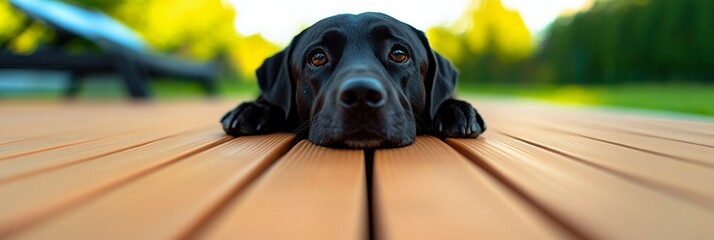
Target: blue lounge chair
(123, 51)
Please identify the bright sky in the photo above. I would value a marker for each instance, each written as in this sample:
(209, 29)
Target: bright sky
(280, 20)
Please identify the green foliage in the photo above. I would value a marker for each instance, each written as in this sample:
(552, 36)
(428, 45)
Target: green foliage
(12, 22)
(614, 41)
(632, 41)
(200, 29)
(18, 33)
(488, 43)
(252, 52)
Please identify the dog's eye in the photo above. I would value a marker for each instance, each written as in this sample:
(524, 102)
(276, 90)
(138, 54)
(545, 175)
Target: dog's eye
(398, 54)
(317, 58)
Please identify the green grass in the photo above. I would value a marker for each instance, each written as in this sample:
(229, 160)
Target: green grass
(679, 97)
(696, 98)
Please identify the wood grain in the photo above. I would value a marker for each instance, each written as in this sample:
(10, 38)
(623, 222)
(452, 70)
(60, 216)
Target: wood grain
(682, 179)
(311, 193)
(30, 164)
(32, 199)
(168, 202)
(591, 201)
(674, 149)
(428, 191)
(165, 170)
(41, 128)
(692, 129)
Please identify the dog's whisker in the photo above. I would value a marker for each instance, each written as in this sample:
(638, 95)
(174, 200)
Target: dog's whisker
(305, 125)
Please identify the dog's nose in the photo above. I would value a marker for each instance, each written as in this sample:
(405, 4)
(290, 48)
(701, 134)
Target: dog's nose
(366, 92)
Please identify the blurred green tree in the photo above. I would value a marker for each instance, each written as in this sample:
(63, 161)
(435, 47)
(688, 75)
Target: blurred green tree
(633, 41)
(18, 33)
(488, 43)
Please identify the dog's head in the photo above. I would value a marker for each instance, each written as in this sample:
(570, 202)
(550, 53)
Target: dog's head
(360, 81)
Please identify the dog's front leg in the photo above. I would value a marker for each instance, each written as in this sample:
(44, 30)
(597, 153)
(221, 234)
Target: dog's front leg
(251, 118)
(456, 118)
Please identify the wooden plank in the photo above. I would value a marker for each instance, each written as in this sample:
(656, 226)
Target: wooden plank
(26, 165)
(698, 154)
(678, 178)
(565, 133)
(30, 129)
(51, 126)
(645, 129)
(428, 191)
(26, 121)
(68, 138)
(311, 193)
(594, 202)
(169, 201)
(119, 125)
(29, 200)
(695, 125)
(641, 126)
(670, 122)
(698, 130)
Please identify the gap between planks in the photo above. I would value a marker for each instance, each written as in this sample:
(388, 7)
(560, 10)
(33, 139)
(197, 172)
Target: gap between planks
(169, 200)
(565, 213)
(42, 161)
(31, 200)
(584, 197)
(429, 191)
(312, 192)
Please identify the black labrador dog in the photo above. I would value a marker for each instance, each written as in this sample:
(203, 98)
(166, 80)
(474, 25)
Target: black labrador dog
(357, 81)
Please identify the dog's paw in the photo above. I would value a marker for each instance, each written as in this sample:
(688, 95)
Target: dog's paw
(458, 119)
(251, 118)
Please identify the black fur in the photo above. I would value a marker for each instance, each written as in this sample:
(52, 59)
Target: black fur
(305, 99)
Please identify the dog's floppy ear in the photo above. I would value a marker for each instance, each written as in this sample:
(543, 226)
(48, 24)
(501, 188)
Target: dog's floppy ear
(440, 80)
(275, 79)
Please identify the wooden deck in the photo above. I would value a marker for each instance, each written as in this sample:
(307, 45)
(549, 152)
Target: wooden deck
(166, 171)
